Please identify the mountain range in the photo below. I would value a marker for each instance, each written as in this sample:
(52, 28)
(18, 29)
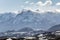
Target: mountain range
(28, 18)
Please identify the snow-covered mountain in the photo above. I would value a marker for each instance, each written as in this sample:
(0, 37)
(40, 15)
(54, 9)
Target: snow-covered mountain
(9, 21)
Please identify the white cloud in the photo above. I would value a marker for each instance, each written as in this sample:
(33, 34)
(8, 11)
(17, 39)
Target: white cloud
(26, 2)
(47, 3)
(30, 3)
(44, 6)
(58, 4)
(58, 10)
(39, 3)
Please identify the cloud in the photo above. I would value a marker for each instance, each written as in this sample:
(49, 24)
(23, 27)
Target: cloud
(39, 3)
(44, 6)
(58, 10)
(30, 3)
(26, 2)
(58, 4)
(47, 3)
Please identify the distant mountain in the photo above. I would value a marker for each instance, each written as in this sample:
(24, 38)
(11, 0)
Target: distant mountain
(24, 32)
(37, 32)
(55, 28)
(10, 31)
(26, 29)
(28, 18)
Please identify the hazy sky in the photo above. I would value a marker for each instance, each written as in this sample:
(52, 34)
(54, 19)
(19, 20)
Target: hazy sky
(14, 5)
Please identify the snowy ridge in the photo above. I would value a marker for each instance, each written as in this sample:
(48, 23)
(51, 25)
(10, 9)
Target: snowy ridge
(28, 18)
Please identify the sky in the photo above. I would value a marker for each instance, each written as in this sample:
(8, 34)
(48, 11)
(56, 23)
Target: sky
(42, 5)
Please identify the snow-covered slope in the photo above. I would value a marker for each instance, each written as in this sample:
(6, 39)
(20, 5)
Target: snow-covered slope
(9, 21)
